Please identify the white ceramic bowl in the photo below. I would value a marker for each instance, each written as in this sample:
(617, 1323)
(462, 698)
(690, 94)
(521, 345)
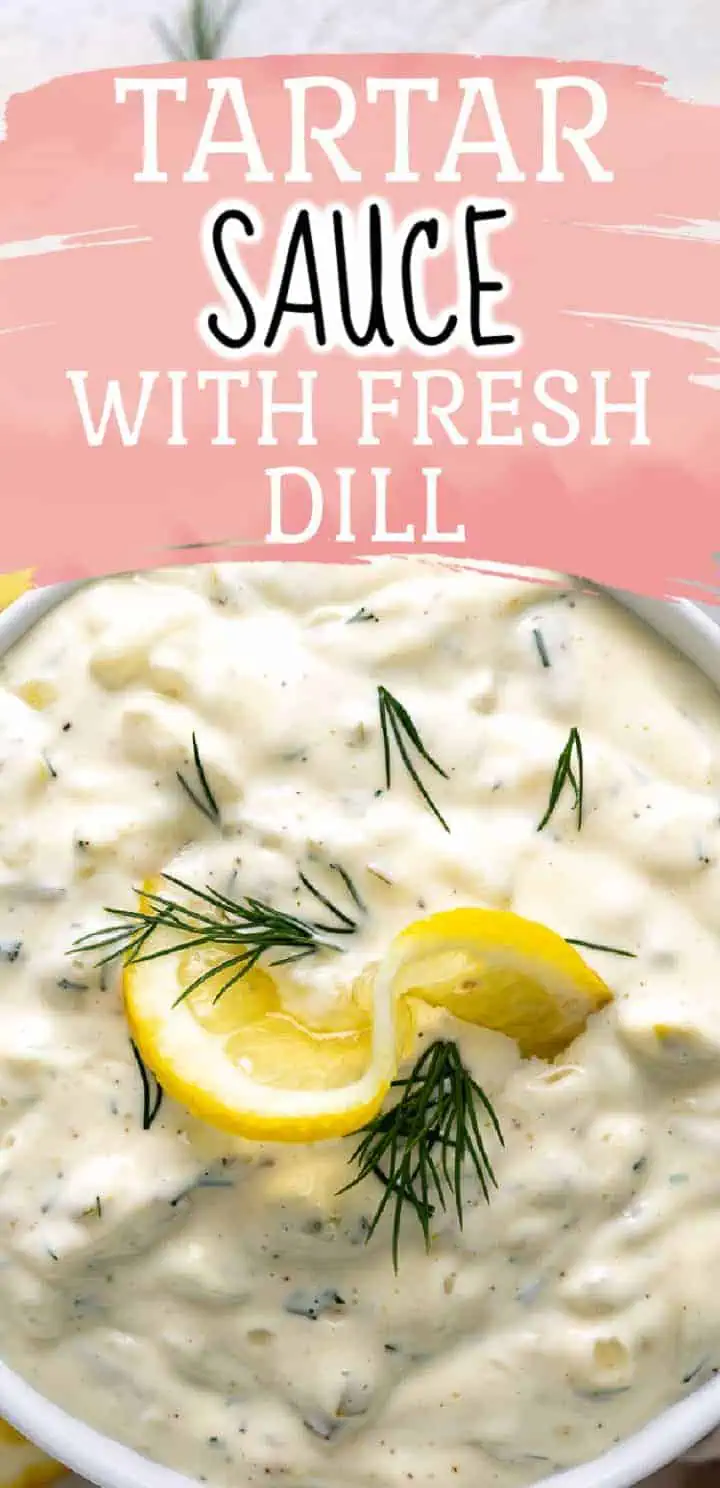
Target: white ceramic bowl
(111, 1465)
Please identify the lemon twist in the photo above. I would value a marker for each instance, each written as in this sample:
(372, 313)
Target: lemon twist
(245, 1063)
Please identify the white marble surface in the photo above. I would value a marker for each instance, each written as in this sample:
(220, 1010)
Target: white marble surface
(679, 38)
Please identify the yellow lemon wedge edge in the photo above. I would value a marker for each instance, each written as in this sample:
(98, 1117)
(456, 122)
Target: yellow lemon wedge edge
(245, 1063)
(13, 585)
(23, 1465)
(502, 972)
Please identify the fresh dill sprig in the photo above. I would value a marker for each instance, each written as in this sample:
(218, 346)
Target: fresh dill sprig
(419, 1148)
(542, 649)
(203, 798)
(396, 724)
(203, 31)
(594, 945)
(152, 1097)
(249, 928)
(569, 768)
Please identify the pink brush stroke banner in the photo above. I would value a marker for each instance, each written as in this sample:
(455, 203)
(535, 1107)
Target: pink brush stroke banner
(103, 274)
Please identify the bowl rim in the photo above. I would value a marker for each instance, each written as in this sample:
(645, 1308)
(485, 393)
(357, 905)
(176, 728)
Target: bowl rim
(106, 1462)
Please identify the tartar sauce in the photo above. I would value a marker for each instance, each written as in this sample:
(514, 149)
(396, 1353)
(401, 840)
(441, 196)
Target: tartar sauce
(213, 1303)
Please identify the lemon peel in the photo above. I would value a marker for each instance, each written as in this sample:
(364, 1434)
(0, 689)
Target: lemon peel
(500, 971)
(245, 1064)
(243, 1061)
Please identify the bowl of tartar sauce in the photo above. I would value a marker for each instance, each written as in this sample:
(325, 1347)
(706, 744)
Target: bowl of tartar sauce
(181, 1303)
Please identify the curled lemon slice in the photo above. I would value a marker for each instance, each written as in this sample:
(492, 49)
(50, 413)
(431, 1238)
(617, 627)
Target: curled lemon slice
(494, 968)
(246, 1064)
(23, 1465)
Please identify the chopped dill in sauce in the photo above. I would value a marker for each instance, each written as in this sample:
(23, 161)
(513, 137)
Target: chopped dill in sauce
(209, 1178)
(570, 770)
(176, 1237)
(313, 1304)
(541, 647)
(362, 616)
(152, 1093)
(248, 927)
(595, 945)
(202, 797)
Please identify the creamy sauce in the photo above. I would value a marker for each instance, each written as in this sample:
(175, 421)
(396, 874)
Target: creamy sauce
(213, 1303)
